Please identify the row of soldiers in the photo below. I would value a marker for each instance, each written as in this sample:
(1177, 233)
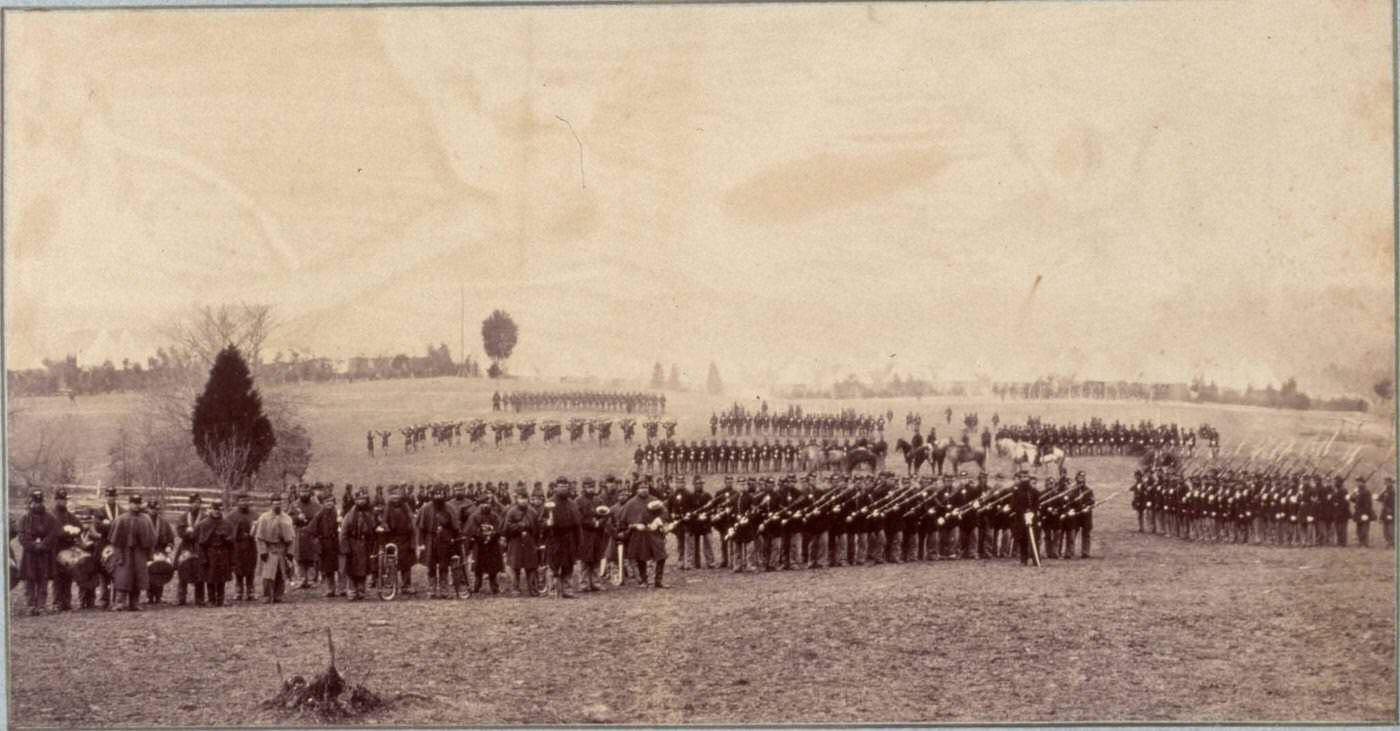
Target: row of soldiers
(1295, 508)
(635, 402)
(765, 524)
(737, 421)
(1096, 437)
(416, 436)
(773, 524)
(670, 457)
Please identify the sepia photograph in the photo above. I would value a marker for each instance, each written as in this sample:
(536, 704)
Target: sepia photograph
(645, 364)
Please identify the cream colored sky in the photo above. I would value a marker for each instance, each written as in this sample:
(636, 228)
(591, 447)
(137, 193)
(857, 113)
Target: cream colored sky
(1202, 186)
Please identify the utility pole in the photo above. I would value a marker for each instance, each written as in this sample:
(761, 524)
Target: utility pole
(462, 352)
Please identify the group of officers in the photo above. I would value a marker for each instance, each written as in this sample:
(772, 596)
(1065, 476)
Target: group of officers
(1097, 438)
(738, 421)
(1286, 508)
(635, 402)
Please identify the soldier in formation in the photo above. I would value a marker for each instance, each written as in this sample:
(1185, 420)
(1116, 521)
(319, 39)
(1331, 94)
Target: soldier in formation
(738, 421)
(1097, 438)
(1274, 505)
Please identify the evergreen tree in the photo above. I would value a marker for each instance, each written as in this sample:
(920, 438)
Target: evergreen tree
(674, 382)
(712, 383)
(658, 376)
(231, 433)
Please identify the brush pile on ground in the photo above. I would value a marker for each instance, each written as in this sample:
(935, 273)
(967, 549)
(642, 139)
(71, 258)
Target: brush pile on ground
(328, 697)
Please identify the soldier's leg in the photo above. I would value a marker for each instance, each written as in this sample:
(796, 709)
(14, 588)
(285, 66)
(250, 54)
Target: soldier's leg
(1342, 532)
(199, 597)
(1084, 541)
(708, 549)
(181, 592)
(31, 595)
(1388, 529)
(1363, 530)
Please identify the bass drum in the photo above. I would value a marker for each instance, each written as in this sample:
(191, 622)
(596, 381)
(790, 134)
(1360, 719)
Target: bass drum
(159, 569)
(16, 555)
(78, 566)
(109, 560)
(187, 563)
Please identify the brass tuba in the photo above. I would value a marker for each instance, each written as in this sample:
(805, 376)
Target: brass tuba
(388, 571)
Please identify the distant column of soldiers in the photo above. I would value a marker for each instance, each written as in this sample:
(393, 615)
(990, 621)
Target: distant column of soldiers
(635, 402)
(725, 456)
(739, 421)
(415, 437)
(1260, 507)
(1097, 438)
(473, 432)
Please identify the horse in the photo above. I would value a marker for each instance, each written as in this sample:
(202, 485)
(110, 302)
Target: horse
(1018, 452)
(1053, 455)
(881, 448)
(914, 458)
(960, 454)
(858, 456)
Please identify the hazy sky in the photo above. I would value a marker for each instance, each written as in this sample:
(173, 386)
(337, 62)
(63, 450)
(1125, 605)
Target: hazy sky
(1198, 186)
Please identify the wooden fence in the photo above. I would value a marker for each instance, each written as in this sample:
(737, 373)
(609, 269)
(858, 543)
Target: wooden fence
(175, 500)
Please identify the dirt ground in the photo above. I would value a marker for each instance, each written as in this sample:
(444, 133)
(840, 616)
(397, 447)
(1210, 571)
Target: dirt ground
(1151, 629)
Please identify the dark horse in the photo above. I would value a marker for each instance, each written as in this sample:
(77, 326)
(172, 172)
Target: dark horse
(857, 456)
(914, 457)
(960, 454)
(879, 448)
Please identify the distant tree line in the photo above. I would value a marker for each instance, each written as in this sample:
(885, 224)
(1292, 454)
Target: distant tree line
(1286, 396)
(58, 377)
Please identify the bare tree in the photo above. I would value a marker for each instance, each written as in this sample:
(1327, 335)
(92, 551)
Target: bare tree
(227, 461)
(207, 330)
(50, 455)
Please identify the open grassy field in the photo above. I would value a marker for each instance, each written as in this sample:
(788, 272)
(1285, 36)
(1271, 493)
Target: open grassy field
(338, 415)
(1152, 628)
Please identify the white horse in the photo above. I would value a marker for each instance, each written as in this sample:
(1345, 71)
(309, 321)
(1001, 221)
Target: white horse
(1055, 456)
(1026, 453)
(1017, 452)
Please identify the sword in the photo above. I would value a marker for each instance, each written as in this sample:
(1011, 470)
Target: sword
(1030, 530)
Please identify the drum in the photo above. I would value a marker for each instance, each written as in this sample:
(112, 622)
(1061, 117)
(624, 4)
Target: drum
(188, 565)
(16, 555)
(160, 570)
(78, 566)
(109, 560)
